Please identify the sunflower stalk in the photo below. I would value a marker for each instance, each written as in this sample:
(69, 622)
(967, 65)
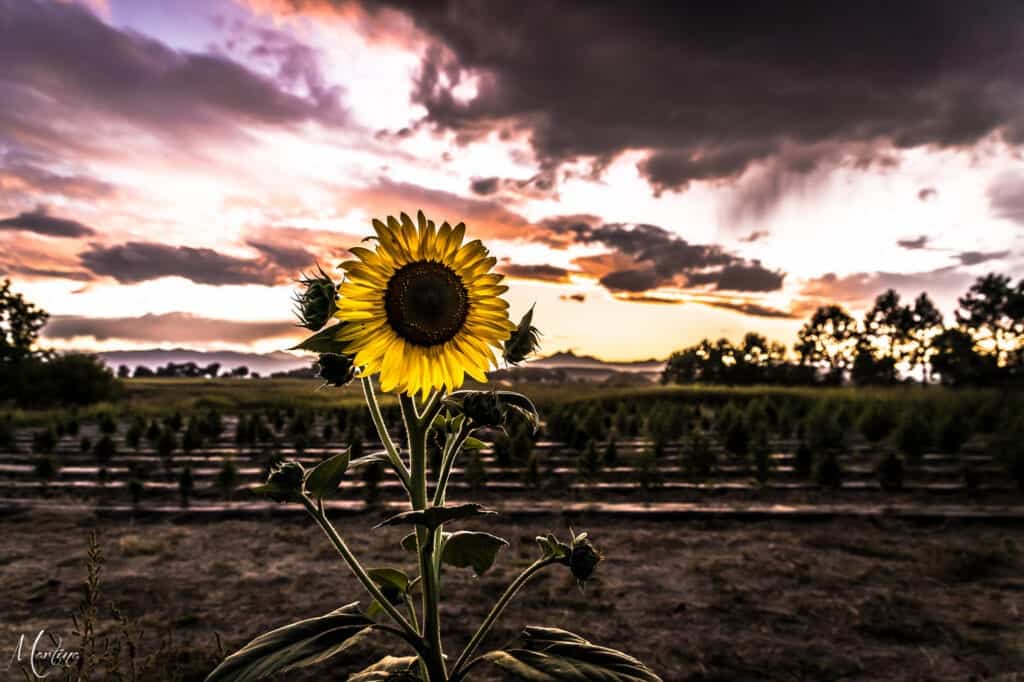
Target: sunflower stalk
(422, 311)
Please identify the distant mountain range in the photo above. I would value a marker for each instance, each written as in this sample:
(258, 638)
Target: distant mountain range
(264, 363)
(278, 361)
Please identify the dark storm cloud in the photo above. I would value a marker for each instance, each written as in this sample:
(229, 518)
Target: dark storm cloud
(41, 222)
(862, 287)
(540, 272)
(914, 244)
(59, 57)
(284, 257)
(168, 327)
(141, 261)
(484, 186)
(576, 298)
(1006, 197)
(710, 88)
(979, 257)
(752, 309)
(662, 258)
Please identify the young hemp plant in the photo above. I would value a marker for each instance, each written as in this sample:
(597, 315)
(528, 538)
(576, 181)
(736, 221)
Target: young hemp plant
(421, 311)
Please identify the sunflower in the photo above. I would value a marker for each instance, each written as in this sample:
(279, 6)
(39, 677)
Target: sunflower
(423, 309)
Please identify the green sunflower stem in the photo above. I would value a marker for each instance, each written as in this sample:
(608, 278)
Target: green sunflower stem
(451, 451)
(385, 438)
(510, 592)
(317, 512)
(416, 427)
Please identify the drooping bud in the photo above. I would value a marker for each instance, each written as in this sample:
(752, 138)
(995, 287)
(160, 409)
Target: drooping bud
(284, 484)
(484, 408)
(583, 558)
(315, 301)
(336, 370)
(525, 340)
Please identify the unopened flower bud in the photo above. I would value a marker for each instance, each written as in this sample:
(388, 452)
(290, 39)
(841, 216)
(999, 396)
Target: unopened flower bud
(484, 409)
(583, 560)
(315, 301)
(284, 484)
(336, 370)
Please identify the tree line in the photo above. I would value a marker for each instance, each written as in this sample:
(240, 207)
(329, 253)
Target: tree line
(894, 342)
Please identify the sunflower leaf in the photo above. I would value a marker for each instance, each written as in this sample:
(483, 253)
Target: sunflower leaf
(324, 341)
(554, 655)
(471, 549)
(325, 477)
(388, 669)
(435, 516)
(372, 458)
(296, 645)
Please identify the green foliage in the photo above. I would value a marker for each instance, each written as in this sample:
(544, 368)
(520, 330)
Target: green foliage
(762, 456)
(105, 450)
(476, 473)
(326, 476)
(589, 461)
(167, 443)
(46, 468)
(471, 549)
(185, 484)
(44, 441)
(227, 477)
(828, 472)
(698, 456)
(554, 655)
(890, 472)
(432, 517)
(876, 422)
(953, 432)
(296, 645)
(914, 434)
(822, 428)
(648, 472)
(803, 460)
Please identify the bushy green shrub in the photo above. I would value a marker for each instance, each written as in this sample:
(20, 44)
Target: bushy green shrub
(589, 461)
(953, 432)
(876, 422)
(648, 471)
(698, 456)
(822, 428)
(762, 455)
(611, 450)
(890, 472)
(227, 477)
(44, 441)
(105, 450)
(107, 424)
(186, 483)
(803, 460)
(913, 435)
(828, 471)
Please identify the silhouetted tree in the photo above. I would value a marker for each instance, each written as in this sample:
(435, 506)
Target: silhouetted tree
(828, 338)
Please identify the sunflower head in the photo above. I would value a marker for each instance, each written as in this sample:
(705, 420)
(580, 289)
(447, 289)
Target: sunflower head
(423, 309)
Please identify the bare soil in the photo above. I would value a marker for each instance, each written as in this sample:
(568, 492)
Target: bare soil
(695, 600)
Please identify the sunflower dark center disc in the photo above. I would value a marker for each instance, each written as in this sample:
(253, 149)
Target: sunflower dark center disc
(426, 303)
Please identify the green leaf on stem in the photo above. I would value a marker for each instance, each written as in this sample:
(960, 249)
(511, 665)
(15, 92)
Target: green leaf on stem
(392, 583)
(465, 549)
(325, 477)
(296, 645)
(389, 669)
(324, 341)
(372, 458)
(433, 517)
(554, 655)
(471, 549)
(473, 444)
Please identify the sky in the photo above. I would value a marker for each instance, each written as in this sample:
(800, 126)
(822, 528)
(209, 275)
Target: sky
(647, 176)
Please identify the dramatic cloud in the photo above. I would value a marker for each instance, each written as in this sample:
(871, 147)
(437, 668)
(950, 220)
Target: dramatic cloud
(711, 88)
(41, 222)
(914, 244)
(31, 179)
(1006, 197)
(484, 186)
(94, 69)
(756, 236)
(484, 218)
(168, 327)
(752, 309)
(543, 273)
(576, 298)
(661, 258)
(141, 261)
(978, 257)
(927, 193)
(859, 289)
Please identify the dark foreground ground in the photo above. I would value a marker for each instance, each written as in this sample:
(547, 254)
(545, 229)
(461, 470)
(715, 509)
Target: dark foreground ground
(840, 600)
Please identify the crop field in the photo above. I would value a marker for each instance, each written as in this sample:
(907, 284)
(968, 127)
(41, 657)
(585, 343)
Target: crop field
(878, 532)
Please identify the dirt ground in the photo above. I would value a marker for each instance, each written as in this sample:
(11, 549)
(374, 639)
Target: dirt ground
(840, 600)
